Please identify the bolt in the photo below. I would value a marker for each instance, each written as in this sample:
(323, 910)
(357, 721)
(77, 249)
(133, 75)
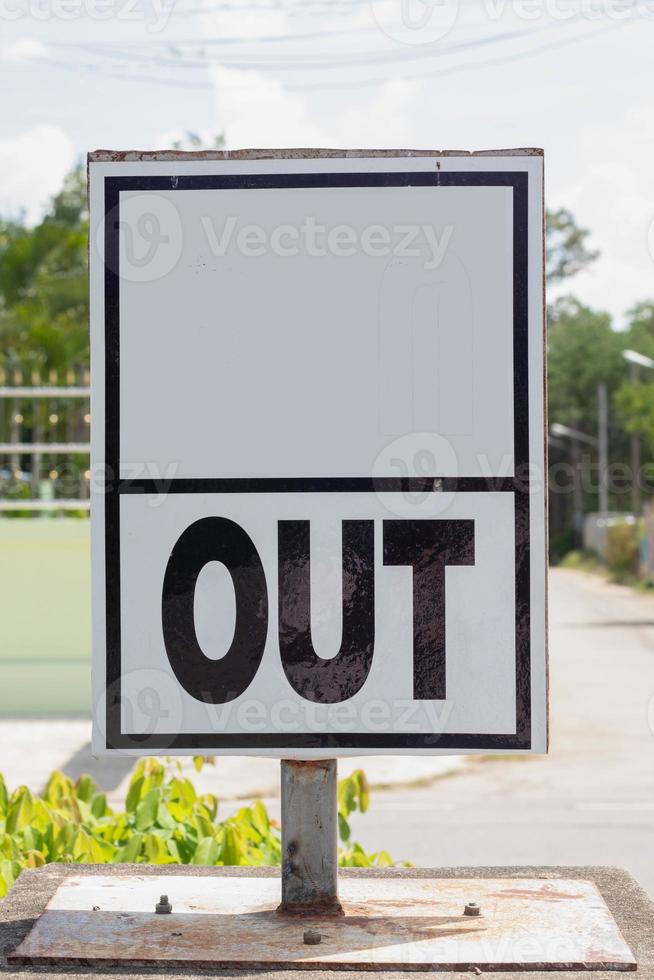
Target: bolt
(472, 908)
(312, 937)
(163, 906)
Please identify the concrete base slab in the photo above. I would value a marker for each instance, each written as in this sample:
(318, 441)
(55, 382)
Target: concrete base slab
(405, 924)
(627, 903)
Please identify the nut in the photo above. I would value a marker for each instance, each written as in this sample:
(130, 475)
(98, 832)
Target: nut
(312, 937)
(472, 908)
(163, 906)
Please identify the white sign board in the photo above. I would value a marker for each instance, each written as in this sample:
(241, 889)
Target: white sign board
(318, 454)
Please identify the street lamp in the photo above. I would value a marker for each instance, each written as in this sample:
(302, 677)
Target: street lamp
(557, 429)
(635, 358)
(636, 361)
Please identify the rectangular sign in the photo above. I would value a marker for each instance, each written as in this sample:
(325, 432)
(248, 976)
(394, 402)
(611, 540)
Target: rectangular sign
(318, 462)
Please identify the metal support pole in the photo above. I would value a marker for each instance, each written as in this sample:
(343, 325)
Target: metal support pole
(309, 838)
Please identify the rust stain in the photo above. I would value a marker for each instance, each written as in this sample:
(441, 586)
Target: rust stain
(330, 907)
(540, 894)
(180, 156)
(366, 908)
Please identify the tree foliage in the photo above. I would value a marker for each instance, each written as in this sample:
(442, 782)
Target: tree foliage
(566, 246)
(583, 350)
(635, 397)
(44, 286)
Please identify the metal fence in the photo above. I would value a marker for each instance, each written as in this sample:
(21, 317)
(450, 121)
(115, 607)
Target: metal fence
(44, 442)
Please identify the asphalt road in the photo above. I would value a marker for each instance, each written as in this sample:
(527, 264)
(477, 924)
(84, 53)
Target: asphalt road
(591, 800)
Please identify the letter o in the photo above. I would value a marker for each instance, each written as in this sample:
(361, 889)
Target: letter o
(214, 681)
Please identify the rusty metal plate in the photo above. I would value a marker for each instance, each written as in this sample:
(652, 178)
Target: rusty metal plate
(390, 923)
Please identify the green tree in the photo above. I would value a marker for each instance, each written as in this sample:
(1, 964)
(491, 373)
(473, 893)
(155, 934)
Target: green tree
(583, 350)
(566, 246)
(640, 328)
(44, 286)
(634, 399)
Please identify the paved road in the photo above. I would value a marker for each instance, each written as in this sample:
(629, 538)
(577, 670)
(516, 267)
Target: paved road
(591, 801)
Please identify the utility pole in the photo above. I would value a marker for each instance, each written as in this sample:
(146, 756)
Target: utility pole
(634, 444)
(577, 495)
(576, 439)
(603, 448)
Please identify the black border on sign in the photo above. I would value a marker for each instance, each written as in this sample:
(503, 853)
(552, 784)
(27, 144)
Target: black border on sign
(518, 485)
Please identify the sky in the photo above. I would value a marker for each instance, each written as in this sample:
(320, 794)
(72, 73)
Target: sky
(572, 76)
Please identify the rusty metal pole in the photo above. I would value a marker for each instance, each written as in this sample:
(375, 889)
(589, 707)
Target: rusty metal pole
(309, 838)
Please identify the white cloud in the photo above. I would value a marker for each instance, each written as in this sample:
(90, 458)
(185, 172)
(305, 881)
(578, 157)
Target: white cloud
(23, 50)
(32, 167)
(255, 110)
(382, 120)
(615, 199)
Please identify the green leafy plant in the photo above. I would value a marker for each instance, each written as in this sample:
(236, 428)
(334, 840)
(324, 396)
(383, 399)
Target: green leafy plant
(353, 795)
(165, 821)
(622, 550)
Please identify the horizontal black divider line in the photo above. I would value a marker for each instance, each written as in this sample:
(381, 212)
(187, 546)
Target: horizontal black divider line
(318, 740)
(417, 178)
(386, 484)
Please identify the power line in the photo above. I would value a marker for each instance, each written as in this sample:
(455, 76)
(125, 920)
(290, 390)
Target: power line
(456, 69)
(351, 84)
(310, 7)
(361, 59)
